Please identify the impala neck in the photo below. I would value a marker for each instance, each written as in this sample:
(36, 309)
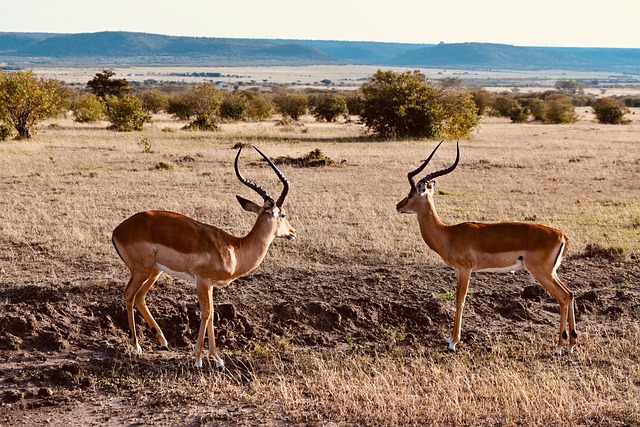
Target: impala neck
(253, 247)
(433, 230)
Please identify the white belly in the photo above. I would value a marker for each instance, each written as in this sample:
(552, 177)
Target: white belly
(178, 274)
(509, 269)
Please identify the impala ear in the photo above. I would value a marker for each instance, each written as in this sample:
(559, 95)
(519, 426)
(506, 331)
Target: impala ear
(248, 205)
(431, 186)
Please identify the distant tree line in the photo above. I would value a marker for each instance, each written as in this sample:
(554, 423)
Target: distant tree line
(390, 105)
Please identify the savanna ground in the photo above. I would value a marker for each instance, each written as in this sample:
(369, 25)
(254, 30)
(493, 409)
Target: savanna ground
(347, 324)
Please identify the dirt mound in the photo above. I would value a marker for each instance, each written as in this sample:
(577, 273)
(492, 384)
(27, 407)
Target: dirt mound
(313, 159)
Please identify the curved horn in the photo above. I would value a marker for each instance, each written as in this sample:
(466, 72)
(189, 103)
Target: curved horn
(281, 176)
(442, 172)
(252, 185)
(410, 175)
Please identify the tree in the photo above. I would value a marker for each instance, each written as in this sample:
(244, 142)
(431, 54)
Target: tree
(126, 113)
(329, 106)
(102, 85)
(291, 105)
(403, 105)
(26, 101)
(609, 111)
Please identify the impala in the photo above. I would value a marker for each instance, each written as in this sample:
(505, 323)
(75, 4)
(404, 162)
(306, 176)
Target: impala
(504, 247)
(154, 242)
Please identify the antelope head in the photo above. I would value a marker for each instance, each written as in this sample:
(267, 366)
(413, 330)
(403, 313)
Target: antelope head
(270, 208)
(422, 191)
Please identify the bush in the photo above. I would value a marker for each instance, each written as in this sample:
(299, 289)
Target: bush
(503, 105)
(483, 100)
(154, 100)
(538, 108)
(354, 102)
(25, 101)
(180, 106)
(609, 111)
(519, 114)
(292, 105)
(403, 105)
(560, 109)
(88, 109)
(234, 106)
(126, 113)
(329, 106)
(259, 107)
(5, 131)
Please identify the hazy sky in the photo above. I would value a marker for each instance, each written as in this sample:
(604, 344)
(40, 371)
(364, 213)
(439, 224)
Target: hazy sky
(523, 23)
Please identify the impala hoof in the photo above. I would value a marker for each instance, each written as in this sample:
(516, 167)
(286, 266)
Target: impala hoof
(220, 364)
(451, 346)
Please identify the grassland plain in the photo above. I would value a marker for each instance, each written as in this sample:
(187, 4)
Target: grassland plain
(345, 326)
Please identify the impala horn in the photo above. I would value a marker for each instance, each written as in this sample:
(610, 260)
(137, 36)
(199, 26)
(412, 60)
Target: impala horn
(255, 187)
(410, 175)
(442, 172)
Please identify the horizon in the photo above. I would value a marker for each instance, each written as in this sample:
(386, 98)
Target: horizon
(549, 24)
(307, 40)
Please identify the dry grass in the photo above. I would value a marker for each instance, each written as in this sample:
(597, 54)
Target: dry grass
(65, 190)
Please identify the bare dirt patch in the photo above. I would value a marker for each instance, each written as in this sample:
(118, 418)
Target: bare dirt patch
(64, 356)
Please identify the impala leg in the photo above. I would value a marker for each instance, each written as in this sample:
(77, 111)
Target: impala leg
(213, 349)
(136, 281)
(141, 304)
(204, 291)
(565, 299)
(461, 294)
(573, 334)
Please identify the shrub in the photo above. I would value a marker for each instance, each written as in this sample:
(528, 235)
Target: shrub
(483, 100)
(503, 105)
(518, 114)
(154, 100)
(88, 109)
(609, 111)
(354, 102)
(25, 101)
(291, 105)
(5, 131)
(329, 106)
(560, 109)
(403, 105)
(460, 114)
(234, 107)
(259, 107)
(180, 106)
(126, 113)
(538, 108)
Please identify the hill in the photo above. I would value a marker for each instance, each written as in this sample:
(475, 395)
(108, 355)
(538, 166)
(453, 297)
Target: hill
(128, 48)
